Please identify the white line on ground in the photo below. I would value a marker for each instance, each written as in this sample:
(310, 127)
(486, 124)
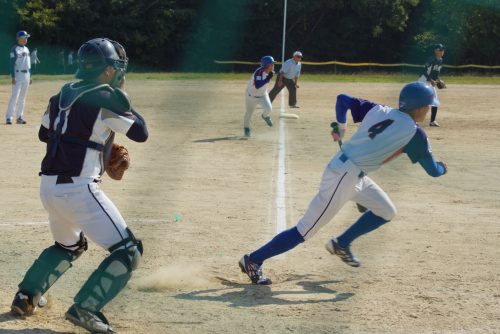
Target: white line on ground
(280, 183)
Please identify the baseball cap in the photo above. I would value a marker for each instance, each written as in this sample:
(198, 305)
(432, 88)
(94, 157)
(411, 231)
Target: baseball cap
(439, 46)
(22, 34)
(297, 53)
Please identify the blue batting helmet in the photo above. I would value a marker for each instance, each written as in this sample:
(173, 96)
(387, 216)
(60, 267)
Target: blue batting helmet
(22, 34)
(416, 95)
(267, 60)
(96, 54)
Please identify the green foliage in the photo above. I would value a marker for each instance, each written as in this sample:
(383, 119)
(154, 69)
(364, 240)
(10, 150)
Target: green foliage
(189, 34)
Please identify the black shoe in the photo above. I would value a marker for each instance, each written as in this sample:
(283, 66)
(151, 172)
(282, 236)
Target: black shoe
(254, 271)
(20, 121)
(25, 304)
(343, 252)
(247, 132)
(8, 122)
(294, 107)
(267, 120)
(93, 322)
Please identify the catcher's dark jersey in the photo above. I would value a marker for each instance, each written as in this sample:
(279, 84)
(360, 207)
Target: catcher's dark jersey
(79, 127)
(432, 68)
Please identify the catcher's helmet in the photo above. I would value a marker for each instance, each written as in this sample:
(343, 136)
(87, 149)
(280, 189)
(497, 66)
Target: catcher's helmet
(416, 95)
(96, 54)
(266, 60)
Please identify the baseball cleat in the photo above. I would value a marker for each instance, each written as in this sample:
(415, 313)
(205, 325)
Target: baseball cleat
(343, 252)
(25, 304)
(436, 124)
(247, 132)
(254, 271)
(8, 122)
(93, 322)
(294, 107)
(267, 119)
(20, 121)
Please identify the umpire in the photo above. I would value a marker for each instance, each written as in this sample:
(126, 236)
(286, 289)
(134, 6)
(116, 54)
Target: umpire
(288, 76)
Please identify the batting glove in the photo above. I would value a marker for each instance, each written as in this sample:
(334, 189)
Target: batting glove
(338, 131)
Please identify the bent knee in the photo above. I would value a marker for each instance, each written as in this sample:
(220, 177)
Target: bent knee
(387, 213)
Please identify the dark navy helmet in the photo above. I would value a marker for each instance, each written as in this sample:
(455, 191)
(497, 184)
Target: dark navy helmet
(438, 46)
(267, 60)
(22, 34)
(98, 53)
(416, 95)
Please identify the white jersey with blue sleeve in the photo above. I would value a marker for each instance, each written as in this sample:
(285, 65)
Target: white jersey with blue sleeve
(384, 134)
(381, 136)
(257, 85)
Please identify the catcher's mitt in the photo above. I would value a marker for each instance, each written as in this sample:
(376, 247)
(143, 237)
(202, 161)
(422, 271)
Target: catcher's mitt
(119, 161)
(440, 84)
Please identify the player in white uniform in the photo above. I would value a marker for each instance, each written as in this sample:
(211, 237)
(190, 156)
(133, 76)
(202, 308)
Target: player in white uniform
(20, 67)
(256, 93)
(79, 127)
(384, 134)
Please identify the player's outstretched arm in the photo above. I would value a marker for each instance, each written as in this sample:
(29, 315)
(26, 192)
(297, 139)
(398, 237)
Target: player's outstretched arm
(419, 150)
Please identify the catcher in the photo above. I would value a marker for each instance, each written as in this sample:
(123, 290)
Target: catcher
(79, 127)
(430, 73)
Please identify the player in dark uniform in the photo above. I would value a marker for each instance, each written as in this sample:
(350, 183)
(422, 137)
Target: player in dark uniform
(430, 73)
(79, 127)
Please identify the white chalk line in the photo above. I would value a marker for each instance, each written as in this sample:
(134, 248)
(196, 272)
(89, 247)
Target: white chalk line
(281, 181)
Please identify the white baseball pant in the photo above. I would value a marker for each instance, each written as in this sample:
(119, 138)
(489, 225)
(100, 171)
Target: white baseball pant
(18, 97)
(81, 206)
(252, 102)
(342, 181)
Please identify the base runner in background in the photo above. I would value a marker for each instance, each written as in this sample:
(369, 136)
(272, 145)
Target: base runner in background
(256, 93)
(384, 134)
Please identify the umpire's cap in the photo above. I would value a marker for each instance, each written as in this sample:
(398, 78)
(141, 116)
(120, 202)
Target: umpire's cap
(22, 34)
(98, 53)
(267, 60)
(416, 95)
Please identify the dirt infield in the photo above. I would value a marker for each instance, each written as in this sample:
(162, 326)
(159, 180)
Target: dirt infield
(200, 197)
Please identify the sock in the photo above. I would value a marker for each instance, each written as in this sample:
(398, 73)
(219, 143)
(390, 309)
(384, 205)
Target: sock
(366, 223)
(434, 111)
(281, 243)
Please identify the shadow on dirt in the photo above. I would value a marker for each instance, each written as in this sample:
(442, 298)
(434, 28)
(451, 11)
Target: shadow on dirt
(7, 316)
(248, 295)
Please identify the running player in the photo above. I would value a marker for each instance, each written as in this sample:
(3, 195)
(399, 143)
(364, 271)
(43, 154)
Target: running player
(256, 93)
(384, 134)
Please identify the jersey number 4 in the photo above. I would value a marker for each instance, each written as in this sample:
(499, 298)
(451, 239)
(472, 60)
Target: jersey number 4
(379, 128)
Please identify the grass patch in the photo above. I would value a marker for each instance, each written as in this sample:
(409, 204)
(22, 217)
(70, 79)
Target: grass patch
(357, 77)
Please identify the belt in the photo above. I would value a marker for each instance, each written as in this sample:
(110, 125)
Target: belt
(344, 158)
(61, 179)
(22, 71)
(64, 179)
(256, 96)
